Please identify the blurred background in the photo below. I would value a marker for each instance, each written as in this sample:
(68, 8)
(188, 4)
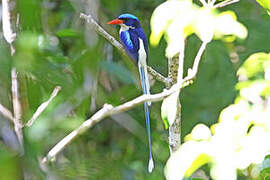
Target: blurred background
(54, 47)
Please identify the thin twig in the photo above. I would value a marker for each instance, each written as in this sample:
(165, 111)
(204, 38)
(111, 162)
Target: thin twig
(6, 113)
(225, 3)
(17, 110)
(203, 2)
(192, 72)
(103, 33)
(212, 2)
(159, 77)
(8, 31)
(43, 106)
(116, 43)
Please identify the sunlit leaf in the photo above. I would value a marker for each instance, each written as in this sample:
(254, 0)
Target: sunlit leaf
(163, 16)
(253, 147)
(253, 91)
(254, 66)
(169, 109)
(227, 24)
(204, 24)
(199, 132)
(237, 141)
(188, 158)
(179, 19)
(265, 4)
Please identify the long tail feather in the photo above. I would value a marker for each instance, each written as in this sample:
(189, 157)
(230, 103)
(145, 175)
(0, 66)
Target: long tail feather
(147, 84)
(146, 111)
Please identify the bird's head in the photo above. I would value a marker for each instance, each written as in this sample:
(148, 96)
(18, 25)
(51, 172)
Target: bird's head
(128, 20)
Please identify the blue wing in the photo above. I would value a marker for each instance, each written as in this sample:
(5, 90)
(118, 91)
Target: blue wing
(130, 41)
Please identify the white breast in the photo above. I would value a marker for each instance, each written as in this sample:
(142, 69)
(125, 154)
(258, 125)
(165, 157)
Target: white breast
(124, 28)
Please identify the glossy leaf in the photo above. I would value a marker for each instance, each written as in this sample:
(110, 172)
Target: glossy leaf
(177, 19)
(237, 142)
(169, 109)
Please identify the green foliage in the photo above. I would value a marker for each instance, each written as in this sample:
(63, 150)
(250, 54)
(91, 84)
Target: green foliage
(9, 166)
(180, 18)
(237, 141)
(67, 33)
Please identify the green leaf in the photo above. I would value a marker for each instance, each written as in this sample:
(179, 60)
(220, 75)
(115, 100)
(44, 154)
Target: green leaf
(265, 4)
(187, 159)
(199, 132)
(169, 109)
(253, 89)
(226, 24)
(265, 174)
(177, 19)
(255, 66)
(164, 15)
(67, 33)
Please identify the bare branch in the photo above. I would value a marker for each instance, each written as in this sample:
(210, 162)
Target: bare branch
(17, 110)
(193, 72)
(8, 32)
(225, 3)
(212, 2)
(106, 111)
(159, 77)
(43, 106)
(6, 113)
(103, 33)
(116, 43)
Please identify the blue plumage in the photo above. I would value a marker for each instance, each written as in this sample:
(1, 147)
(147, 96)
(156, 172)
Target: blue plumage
(129, 16)
(130, 34)
(135, 42)
(130, 43)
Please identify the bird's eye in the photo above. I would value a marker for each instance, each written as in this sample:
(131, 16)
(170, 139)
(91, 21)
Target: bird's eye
(124, 19)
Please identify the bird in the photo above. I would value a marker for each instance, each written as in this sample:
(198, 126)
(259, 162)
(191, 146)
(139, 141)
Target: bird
(133, 39)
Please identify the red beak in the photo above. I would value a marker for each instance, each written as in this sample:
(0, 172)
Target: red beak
(116, 21)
